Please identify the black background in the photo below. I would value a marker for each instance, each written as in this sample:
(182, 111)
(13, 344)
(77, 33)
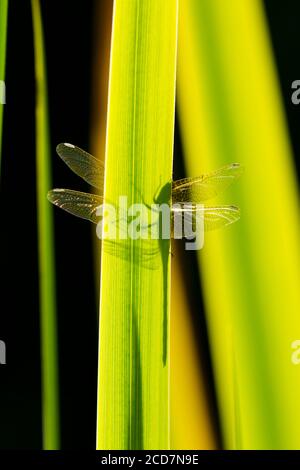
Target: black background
(69, 40)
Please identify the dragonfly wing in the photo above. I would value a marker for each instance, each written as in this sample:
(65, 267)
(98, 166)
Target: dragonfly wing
(146, 253)
(207, 186)
(83, 164)
(217, 217)
(82, 205)
(213, 217)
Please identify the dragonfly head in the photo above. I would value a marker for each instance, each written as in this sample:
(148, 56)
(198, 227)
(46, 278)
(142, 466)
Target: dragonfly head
(163, 194)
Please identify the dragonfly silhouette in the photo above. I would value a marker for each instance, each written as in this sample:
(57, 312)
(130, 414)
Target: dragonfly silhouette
(185, 193)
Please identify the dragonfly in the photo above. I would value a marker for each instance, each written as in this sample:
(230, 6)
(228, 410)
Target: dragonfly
(186, 195)
(184, 191)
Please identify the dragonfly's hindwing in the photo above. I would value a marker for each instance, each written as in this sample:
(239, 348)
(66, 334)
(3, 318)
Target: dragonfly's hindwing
(83, 205)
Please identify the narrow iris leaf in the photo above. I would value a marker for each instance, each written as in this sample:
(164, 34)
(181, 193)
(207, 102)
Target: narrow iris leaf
(50, 399)
(3, 31)
(133, 387)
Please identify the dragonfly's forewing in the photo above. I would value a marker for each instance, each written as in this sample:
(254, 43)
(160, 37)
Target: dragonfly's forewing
(204, 187)
(83, 164)
(83, 205)
(213, 217)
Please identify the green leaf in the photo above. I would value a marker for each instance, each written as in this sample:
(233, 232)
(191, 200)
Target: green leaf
(50, 399)
(230, 110)
(133, 386)
(3, 31)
